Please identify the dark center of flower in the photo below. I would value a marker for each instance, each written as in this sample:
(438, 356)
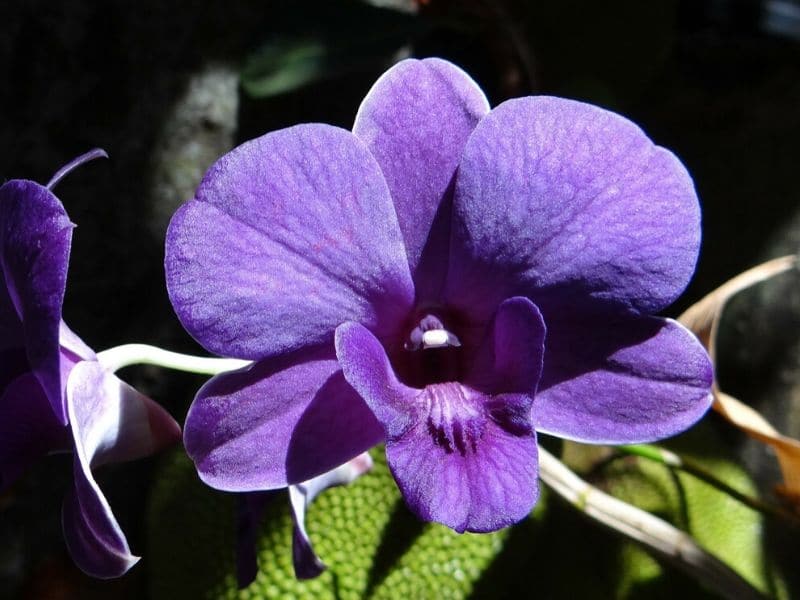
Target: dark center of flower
(430, 333)
(431, 354)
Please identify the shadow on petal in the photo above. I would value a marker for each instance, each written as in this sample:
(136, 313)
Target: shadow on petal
(336, 426)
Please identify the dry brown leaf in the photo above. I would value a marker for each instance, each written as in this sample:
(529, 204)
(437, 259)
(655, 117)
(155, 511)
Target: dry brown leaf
(702, 318)
(756, 426)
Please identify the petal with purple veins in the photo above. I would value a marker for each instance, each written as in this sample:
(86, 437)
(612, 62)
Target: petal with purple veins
(289, 235)
(556, 198)
(110, 421)
(489, 486)
(93, 537)
(460, 457)
(281, 421)
(621, 379)
(416, 120)
(35, 239)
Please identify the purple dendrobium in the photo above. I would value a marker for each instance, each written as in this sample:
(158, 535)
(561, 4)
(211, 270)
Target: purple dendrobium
(444, 278)
(54, 394)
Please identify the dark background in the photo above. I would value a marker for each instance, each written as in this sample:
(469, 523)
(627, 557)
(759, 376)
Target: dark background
(166, 87)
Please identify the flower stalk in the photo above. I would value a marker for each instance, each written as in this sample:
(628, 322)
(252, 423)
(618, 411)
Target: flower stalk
(144, 354)
(655, 534)
(674, 461)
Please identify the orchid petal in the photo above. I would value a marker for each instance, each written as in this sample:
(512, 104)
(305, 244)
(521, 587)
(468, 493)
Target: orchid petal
(416, 120)
(28, 428)
(510, 360)
(110, 421)
(74, 345)
(307, 564)
(289, 235)
(35, 239)
(72, 351)
(281, 421)
(577, 202)
(460, 457)
(249, 512)
(12, 336)
(93, 537)
(615, 379)
(13, 364)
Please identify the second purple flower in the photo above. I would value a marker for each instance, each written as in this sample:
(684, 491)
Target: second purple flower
(444, 278)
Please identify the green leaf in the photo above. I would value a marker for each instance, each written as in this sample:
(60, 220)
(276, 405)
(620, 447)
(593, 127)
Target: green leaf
(327, 44)
(720, 523)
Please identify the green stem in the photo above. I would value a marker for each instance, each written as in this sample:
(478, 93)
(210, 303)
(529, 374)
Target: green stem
(654, 533)
(674, 461)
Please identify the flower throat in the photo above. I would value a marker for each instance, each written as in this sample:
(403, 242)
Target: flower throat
(432, 353)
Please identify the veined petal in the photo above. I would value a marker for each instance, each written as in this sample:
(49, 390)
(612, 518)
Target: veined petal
(116, 422)
(110, 421)
(491, 488)
(281, 421)
(35, 239)
(93, 537)
(557, 197)
(28, 428)
(613, 379)
(460, 457)
(72, 351)
(416, 120)
(289, 235)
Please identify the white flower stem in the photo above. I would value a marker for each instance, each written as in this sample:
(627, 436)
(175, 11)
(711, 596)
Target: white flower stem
(677, 546)
(144, 354)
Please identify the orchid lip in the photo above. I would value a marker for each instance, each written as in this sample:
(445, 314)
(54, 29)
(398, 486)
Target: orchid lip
(453, 420)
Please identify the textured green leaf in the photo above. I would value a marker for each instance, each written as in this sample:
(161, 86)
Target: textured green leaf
(721, 524)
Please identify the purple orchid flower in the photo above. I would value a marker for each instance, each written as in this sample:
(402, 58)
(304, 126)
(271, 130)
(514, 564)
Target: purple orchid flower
(445, 278)
(54, 394)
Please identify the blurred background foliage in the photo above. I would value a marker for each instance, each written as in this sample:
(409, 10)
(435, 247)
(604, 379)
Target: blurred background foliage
(166, 87)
